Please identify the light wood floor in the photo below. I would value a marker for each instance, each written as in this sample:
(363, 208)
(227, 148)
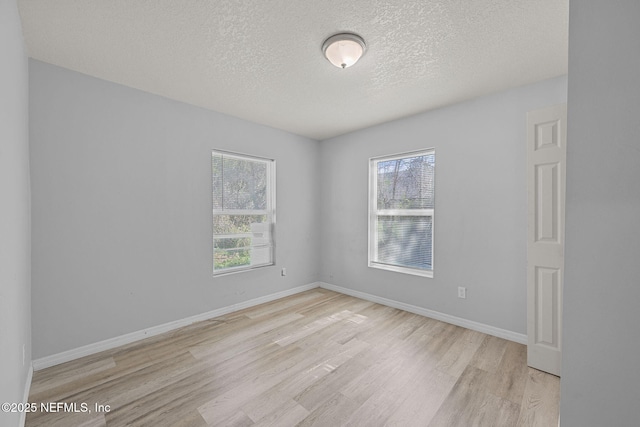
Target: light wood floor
(316, 358)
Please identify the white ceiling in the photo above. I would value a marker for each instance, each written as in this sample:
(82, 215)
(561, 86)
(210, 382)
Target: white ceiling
(261, 60)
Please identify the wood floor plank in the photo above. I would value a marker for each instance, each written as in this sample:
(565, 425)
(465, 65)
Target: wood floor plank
(466, 402)
(43, 385)
(244, 335)
(425, 394)
(289, 413)
(98, 421)
(461, 352)
(182, 419)
(539, 405)
(286, 304)
(313, 327)
(317, 394)
(471, 403)
(203, 383)
(386, 362)
(267, 403)
(224, 404)
(511, 378)
(389, 392)
(239, 419)
(489, 354)
(316, 358)
(333, 356)
(333, 412)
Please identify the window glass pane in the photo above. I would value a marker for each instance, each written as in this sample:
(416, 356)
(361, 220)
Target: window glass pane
(244, 184)
(238, 183)
(406, 183)
(405, 241)
(236, 224)
(231, 252)
(232, 243)
(229, 258)
(216, 175)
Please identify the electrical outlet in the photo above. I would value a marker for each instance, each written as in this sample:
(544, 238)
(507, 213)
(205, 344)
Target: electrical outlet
(284, 271)
(462, 292)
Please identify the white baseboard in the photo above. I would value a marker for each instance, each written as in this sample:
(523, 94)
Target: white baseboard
(25, 397)
(458, 321)
(111, 343)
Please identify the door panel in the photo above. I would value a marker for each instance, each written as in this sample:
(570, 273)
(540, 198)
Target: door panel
(546, 202)
(546, 161)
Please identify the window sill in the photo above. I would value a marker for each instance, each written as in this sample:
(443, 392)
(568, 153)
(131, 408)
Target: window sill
(405, 270)
(241, 269)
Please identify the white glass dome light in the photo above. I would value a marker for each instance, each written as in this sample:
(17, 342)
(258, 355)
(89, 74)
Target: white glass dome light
(344, 49)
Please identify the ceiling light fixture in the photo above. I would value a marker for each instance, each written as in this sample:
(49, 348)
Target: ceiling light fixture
(344, 49)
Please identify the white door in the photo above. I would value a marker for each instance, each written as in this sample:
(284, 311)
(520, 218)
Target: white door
(546, 164)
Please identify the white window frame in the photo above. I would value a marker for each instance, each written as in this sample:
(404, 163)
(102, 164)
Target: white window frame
(270, 212)
(374, 212)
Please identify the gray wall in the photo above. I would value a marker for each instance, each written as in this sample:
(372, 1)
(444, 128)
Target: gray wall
(480, 217)
(121, 183)
(601, 350)
(15, 231)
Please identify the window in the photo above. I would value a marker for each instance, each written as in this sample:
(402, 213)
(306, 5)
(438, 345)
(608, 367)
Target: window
(401, 207)
(243, 212)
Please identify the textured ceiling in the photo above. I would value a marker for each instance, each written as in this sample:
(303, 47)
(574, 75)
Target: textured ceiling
(261, 60)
